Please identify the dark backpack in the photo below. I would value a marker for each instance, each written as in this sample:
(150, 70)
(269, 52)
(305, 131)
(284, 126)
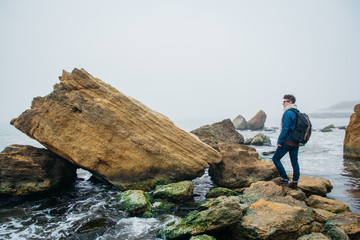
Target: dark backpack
(302, 131)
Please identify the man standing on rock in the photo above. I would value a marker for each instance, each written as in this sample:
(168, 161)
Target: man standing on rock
(285, 144)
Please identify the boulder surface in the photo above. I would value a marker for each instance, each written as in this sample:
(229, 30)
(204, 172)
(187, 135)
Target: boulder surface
(27, 170)
(96, 127)
(352, 135)
(257, 122)
(219, 132)
(240, 123)
(240, 166)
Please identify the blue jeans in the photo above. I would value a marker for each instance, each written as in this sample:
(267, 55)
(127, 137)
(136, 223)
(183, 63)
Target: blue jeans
(293, 152)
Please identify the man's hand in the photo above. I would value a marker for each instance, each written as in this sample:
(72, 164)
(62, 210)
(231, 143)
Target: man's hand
(278, 145)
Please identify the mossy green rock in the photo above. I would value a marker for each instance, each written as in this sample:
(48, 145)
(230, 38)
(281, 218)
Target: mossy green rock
(160, 206)
(216, 214)
(202, 237)
(134, 201)
(175, 191)
(259, 140)
(220, 191)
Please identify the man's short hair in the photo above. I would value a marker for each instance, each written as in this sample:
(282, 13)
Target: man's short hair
(290, 97)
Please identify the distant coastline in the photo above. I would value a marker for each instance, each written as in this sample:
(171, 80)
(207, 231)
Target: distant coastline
(340, 110)
(331, 115)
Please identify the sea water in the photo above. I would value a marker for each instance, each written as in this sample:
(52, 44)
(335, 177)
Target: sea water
(68, 215)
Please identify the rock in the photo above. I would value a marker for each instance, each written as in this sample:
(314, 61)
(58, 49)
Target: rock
(215, 215)
(202, 237)
(95, 227)
(257, 122)
(163, 206)
(352, 136)
(269, 191)
(327, 204)
(259, 139)
(148, 214)
(240, 123)
(96, 127)
(328, 128)
(176, 192)
(337, 233)
(322, 215)
(240, 166)
(134, 201)
(271, 220)
(314, 236)
(220, 191)
(314, 185)
(223, 131)
(348, 221)
(27, 170)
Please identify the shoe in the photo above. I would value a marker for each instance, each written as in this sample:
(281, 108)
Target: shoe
(293, 185)
(280, 182)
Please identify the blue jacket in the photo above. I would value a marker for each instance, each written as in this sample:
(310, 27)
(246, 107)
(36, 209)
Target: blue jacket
(288, 126)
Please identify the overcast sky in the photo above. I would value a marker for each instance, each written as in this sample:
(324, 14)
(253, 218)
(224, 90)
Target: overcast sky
(196, 59)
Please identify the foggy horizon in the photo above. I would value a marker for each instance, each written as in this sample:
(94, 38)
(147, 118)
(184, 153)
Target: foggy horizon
(187, 60)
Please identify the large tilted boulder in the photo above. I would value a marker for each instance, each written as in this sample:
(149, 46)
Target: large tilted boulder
(352, 135)
(96, 127)
(27, 170)
(240, 166)
(257, 122)
(219, 132)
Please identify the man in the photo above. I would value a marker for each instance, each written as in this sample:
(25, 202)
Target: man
(285, 145)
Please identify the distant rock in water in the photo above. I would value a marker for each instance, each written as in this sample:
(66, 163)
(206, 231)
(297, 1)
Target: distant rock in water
(352, 135)
(259, 139)
(258, 121)
(219, 132)
(27, 170)
(240, 123)
(96, 127)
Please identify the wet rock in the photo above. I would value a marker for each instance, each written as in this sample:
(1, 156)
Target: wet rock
(348, 221)
(214, 215)
(352, 136)
(314, 185)
(314, 236)
(96, 127)
(271, 192)
(202, 237)
(134, 201)
(220, 191)
(327, 204)
(328, 128)
(95, 227)
(322, 215)
(240, 123)
(162, 206)
(220, 132)
(257, 122)
(148, 214)
(27, 170)
(272, 220)
(176, 192)
(259, 139)
(240, 166)
(337, 233)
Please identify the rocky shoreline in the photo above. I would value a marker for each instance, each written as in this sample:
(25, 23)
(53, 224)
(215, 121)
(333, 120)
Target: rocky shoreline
(86, 123)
